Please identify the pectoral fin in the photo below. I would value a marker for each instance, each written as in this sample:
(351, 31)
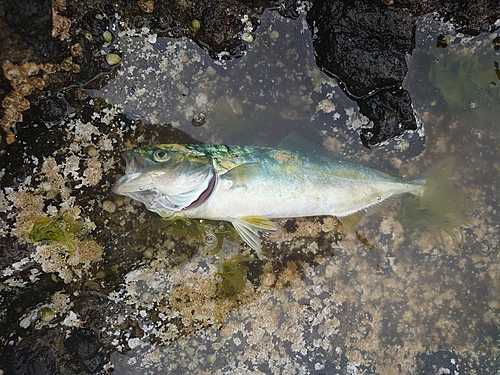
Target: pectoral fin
(241, 174)
(248, 228)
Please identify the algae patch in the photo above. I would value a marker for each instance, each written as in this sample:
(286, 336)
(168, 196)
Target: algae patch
(48, 229)
(62, 247)
(464, 78)
(231, 278)
(209, 234)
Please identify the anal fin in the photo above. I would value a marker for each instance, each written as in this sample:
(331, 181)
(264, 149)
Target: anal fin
(259, 222)
(349, 222)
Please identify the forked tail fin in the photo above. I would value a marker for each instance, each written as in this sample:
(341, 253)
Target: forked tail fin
(441, 207)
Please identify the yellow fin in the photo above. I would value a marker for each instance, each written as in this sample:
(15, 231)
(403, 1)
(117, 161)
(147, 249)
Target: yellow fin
(248, 228)
(259, 222)
(248, 233)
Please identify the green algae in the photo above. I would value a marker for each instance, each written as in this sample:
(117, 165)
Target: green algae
(56, 229)
(194, 26)
(465, 78)
(209, 234)
(231, 278)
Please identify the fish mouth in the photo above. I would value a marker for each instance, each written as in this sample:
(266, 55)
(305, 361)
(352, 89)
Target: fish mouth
(133, 162)
(134, 166)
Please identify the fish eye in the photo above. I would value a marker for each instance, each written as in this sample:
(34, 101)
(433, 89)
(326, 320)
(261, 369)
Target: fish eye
(161, 155)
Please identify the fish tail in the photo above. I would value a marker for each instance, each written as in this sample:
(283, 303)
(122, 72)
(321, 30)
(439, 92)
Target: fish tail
(418, 186)
(439, 207)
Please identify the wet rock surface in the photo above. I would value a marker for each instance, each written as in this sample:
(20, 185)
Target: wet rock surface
(32, 21)
(30, 360)
(365, 45)
(92, 283)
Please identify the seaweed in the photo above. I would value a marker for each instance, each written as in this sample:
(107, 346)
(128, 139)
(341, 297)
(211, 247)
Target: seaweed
(56, 229)
(466, 77)
(231, 278)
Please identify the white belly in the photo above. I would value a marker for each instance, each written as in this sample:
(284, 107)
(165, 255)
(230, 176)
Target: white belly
(295, 196)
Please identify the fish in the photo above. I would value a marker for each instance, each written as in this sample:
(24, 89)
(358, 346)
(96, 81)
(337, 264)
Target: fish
(249, 186)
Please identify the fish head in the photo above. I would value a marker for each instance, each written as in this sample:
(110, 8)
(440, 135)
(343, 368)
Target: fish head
(167, 178)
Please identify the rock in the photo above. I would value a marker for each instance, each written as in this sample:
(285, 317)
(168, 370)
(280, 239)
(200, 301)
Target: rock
(363, 44)
(33, 20)
(469, 17)
(37, 360)
(215, 26)
(439, 362)
(146, 6)
(52, 109)
(84, 346)
(391, 113)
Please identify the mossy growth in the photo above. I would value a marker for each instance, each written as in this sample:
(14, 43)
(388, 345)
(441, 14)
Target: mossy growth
(56, 229)
(209, 234)
(231, 278)
(194, 26)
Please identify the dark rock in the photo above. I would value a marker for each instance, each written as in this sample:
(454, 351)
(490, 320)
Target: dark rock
(220, 22)
(288, 9)
(90, 67)
(38, 360)
(391, 113)
(363, 44)
(97, 25)
(32, 19)
(84, 347)
(470, 17)
(218, 28)
(52, 109)
(496, 43)
(291, 226)
(439, 363)
(29, 17)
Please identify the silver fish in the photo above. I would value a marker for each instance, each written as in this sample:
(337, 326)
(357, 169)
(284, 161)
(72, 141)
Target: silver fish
(248, 186)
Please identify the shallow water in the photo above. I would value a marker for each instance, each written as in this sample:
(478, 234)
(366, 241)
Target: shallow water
(412, 302)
